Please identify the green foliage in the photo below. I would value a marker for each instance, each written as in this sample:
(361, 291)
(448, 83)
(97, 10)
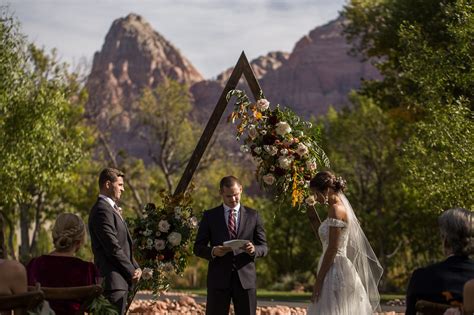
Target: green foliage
(439, 159)
(42, 138)
(294, 249)
(101, 306)
(424, 49)
(168, 131)
(363, 147)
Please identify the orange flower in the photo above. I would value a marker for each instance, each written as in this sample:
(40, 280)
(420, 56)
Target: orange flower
(257, 115)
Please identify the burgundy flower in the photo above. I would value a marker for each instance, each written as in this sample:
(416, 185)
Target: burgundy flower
(279, 171)
(269, 139)
(273, 119)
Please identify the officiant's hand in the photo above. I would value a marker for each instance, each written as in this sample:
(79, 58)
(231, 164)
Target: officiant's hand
(249, 248)
(220, 250)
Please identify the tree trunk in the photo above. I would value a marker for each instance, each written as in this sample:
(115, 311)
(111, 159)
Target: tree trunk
(24, 232)
(3, 253)
(39, 204)
(11, 232)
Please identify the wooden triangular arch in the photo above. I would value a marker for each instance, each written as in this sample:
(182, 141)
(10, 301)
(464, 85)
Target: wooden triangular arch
(242, 67)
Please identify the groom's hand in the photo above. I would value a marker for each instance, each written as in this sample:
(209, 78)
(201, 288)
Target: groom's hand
(137, 275)
(220, 250)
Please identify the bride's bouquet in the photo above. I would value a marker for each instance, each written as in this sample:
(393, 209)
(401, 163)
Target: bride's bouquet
(164, 239)
(284, 147)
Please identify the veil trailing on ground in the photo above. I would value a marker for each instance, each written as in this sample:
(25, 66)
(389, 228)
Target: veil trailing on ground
(362, 256)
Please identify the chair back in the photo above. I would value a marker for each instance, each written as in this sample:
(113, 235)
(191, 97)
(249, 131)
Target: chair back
(424, 307)
(21, 303)
(84, 294)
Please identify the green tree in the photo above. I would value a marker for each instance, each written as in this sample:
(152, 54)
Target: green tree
(41, 134)
(423, 49)
(362, 145)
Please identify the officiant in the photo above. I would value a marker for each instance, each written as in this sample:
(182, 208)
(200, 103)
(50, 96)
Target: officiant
(231, 272)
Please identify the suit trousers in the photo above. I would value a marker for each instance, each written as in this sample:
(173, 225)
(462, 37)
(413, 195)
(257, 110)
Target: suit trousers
(117, 298)
(244, 300)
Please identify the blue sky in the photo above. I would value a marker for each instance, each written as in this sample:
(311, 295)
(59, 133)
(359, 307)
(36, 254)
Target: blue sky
(210, 33)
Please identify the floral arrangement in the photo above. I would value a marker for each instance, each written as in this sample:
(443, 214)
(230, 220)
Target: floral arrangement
(163, 239)
(284, 147)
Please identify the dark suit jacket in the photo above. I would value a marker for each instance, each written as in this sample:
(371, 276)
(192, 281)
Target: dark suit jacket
(112, 247)
(213, 231)
(430, 282)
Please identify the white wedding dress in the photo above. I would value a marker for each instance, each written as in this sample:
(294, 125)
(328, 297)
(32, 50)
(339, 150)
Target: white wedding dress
(354, 272)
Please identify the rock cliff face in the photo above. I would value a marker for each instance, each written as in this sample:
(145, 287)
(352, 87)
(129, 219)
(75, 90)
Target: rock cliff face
(133, 57)
(317, 73)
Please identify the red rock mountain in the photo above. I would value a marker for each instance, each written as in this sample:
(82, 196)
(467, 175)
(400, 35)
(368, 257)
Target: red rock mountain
(316, 74)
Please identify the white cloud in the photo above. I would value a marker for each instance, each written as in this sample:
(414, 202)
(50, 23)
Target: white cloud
(210, 33)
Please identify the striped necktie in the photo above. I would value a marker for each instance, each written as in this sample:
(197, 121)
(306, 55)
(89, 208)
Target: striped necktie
(231, 224)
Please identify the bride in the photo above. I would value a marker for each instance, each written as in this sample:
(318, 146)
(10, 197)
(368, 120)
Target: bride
(348, 271)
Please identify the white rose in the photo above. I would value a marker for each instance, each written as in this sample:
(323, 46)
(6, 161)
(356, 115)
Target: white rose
(174, 238)
(269, 179)
(258, 150)
(258, 160)
(311, 165)
(193, 222)
(283, 151)
(252, 132)
(263, 104)
(272, 150)
(244, 148)
(167, 267)
(163, 226)
(147, 273)
(160, 244)
(284, 162)
(302, 149)
(282, 128)
(310, 200)
(149, 243)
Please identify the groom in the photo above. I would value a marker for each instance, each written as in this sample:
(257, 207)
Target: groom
(231, 274)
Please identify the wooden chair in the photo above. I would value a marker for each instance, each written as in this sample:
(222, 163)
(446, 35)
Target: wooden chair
(21, 303)
(84, 294)
(424, 307)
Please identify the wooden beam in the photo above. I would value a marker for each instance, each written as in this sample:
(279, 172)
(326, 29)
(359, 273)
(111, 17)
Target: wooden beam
(242, 67)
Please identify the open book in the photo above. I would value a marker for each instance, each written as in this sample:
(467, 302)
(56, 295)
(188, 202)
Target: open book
(235, 244)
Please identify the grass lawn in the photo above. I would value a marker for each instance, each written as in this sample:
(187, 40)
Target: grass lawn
(289, 296)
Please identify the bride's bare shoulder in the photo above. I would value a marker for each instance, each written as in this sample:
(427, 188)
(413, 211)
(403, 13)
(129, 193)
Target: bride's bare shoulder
(338, 211)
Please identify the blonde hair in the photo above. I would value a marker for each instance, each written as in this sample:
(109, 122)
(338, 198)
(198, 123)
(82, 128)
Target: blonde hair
(68, 229)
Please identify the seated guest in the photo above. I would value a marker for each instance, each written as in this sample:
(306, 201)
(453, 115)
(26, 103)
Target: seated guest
(443, 282)
(12, 277)
(468, 297)
(61, 268)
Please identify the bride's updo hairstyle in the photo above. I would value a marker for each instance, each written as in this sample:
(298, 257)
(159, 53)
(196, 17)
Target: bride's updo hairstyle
(324, 180)
(68, 229)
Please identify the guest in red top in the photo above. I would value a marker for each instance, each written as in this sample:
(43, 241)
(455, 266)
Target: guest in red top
(61, 268)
